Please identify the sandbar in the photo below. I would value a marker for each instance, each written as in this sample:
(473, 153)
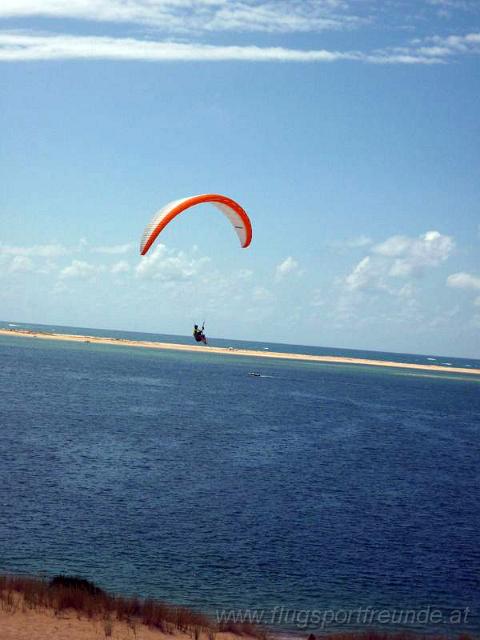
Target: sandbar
(250, 353)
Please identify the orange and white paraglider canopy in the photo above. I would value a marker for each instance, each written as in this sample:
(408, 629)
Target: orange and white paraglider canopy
(231, 209)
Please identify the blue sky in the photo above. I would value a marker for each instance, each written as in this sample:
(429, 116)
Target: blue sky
(348, 129)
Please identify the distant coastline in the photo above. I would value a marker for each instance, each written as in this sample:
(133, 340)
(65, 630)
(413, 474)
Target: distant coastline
(166, 346)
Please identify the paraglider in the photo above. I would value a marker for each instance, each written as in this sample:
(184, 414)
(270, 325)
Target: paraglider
(199, 334)
(231, 209)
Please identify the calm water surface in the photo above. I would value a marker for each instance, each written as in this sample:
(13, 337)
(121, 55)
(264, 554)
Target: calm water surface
(180, 476)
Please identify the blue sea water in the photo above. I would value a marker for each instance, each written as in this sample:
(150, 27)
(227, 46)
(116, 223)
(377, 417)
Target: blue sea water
(179, 476)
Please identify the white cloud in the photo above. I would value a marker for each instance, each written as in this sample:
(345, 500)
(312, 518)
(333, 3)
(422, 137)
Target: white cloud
(29, 46)
(407, 292)
(444, 317)
(393, 246)
(194, 16)
(412, 255)
(429, 50)
(121, 266)
(271, 16)
(318, 298)
(79, 269)
(453, 4)
(399, 257)
(464, 280)
(262, 294)
(359, 242)
(204, 18)
(116, 249)
(287, 267)
(366, 274)
(169, 265)
(40, 250)
(445, 46)
(20, 264)
(22, 46)
(245, 274)
(18, 259)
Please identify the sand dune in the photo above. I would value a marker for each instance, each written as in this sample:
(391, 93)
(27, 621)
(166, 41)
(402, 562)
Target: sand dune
(44, 624)
(31, 624)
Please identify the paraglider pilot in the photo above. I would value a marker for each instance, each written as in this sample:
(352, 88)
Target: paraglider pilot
(199, 334)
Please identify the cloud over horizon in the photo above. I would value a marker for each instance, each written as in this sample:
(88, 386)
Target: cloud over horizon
(181, 284)
(399, 257)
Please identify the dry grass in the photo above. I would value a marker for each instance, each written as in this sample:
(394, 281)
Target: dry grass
(71, 594)
(66, 593)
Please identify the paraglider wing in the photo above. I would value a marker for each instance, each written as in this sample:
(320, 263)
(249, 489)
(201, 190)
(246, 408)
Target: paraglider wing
(231, 209)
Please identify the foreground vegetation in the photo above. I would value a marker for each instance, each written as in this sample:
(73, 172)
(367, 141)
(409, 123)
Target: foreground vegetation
(66, 593)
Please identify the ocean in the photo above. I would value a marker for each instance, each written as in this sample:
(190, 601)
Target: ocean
(315, 487)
